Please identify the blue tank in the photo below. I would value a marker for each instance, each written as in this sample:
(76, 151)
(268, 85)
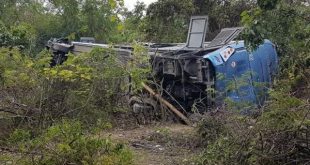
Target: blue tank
(243, 76)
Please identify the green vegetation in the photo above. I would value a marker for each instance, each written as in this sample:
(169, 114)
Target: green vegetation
(72, 89)
(56, 115)
(277, 136)
(287, 25)
(34, 22)
(82, 93)
(66, 143)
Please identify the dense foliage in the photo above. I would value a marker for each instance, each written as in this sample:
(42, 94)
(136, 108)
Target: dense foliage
(83, 87)
(286, 23)
(84, 91)
(167, 20)
(109, 21)
(58, 18)
(279, 135)
(65, 143)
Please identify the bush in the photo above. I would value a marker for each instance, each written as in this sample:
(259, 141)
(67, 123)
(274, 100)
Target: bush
(225, 137)
(279, 136)
(35, 97)
(66, 143)
(22, 36)
(87, 87)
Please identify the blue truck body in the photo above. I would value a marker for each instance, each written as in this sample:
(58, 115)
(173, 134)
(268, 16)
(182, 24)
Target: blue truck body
(245, 76)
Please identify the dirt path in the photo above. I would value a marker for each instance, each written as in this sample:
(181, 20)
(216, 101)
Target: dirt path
(167, 144)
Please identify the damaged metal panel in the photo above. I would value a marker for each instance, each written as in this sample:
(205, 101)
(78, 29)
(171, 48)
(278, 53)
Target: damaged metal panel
(197, 32)
(224, 37)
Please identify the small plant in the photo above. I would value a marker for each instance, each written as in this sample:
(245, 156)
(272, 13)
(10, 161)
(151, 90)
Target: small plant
(139, 67)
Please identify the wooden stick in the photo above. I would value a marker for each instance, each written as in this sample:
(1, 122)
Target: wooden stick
(165, 102)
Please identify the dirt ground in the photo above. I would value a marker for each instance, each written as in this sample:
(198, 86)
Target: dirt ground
(159, 144)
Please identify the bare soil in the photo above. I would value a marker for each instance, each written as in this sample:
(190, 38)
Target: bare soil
(159, 144)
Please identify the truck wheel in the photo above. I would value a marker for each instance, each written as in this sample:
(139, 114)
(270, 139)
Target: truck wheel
(145, 109)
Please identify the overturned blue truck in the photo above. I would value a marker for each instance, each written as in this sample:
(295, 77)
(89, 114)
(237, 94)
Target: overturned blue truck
(197, 76)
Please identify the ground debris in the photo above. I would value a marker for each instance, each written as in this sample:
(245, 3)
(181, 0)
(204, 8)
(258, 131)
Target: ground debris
(163, 144)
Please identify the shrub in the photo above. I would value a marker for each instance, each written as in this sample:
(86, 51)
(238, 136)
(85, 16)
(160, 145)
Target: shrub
(35, 96)
(88, 87)
(279, 136)
(22, 36)
(67, 143)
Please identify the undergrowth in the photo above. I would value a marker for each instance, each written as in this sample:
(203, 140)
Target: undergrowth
(280, 135)
(52, 115)
(66, 142)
